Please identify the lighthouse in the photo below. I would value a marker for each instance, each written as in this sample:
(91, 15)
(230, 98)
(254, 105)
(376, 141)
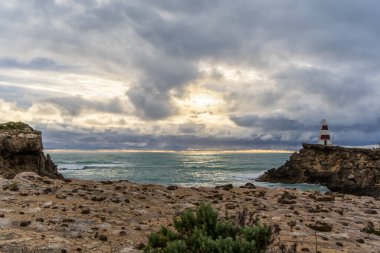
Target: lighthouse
(324, 135)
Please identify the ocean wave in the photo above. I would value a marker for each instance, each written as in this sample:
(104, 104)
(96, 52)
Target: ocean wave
(248, 176)
(80, 166)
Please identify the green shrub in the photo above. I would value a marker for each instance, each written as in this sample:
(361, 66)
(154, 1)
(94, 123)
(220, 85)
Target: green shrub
(13, 187)
(14, 126)
(205, 232)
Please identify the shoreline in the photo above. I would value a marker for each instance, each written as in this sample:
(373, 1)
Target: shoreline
(95, 216)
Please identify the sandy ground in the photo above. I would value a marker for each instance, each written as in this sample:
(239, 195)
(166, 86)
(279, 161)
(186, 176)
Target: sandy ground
(48, 215)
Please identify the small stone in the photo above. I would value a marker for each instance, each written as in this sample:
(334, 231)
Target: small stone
(47, 204)
(47, 191)
(320, 226)
(249, 186)
(98, 198)
(230, 206)
(25, 223)
(326, 198)
(60, 196)
(115, 200)
(370, 211)
(85, 211)
(226, 187)
(287, 198)
(172, 187)
(68, 220)
(118, 188)
(360, 240)
(103, 238)
(339, 244)
(40, 220)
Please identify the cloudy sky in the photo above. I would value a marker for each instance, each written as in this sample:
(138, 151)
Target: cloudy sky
(200, 74)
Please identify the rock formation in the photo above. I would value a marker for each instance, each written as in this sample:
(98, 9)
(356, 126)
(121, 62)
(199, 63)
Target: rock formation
(346, 170)
(21, 150)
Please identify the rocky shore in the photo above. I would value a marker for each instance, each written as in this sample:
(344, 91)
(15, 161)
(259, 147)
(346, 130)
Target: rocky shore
(346, 170)
(50, 215)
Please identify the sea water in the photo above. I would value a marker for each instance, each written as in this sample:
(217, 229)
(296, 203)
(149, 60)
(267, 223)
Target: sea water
(179, 168)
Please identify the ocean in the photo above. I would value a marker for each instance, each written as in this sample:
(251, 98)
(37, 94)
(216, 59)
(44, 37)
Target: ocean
(179, 168)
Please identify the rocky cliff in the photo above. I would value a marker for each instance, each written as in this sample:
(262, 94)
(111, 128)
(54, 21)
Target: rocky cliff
(21, 150)
(346, 170)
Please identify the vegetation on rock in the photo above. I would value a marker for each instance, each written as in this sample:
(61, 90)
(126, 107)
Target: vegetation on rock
(15, 126)
(204, 231)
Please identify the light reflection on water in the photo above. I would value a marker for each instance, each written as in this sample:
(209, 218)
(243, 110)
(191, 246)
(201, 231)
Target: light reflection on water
(187, 169)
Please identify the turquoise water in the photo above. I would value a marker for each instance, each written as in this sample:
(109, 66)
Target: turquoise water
(180, 168)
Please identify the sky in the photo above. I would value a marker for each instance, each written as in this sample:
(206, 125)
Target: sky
(200, 74)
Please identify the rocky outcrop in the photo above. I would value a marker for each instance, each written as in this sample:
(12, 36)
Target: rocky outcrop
(21, 150)
(346, 170)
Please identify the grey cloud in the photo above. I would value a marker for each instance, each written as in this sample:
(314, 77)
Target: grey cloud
(279, 123)
(54, 139)
(150, 103)
(151, 97)
(162, 42)
(75, 105)
(333, 87)
(39, 63)
(191, 128)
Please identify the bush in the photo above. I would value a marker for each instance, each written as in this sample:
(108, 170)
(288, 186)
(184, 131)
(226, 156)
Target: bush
(13, 187)
(204, 232)
(14, 126)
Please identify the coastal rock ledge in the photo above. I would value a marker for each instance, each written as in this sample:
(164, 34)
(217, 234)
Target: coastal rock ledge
(346, 170)
(21, 150)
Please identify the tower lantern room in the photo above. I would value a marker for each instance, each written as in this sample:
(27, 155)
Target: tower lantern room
(324, 135)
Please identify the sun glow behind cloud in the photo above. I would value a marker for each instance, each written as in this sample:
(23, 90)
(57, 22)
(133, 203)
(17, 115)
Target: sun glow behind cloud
(152, 74)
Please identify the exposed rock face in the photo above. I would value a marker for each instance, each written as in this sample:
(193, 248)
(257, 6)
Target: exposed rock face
(347, 170)
(21, 150)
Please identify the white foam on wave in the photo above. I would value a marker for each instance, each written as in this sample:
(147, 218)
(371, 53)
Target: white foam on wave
(248, 176)
(70, 166)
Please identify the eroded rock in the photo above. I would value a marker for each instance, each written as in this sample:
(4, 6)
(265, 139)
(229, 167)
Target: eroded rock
(346, 170)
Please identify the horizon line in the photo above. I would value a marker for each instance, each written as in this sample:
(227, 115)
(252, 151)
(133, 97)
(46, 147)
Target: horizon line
(167, 151)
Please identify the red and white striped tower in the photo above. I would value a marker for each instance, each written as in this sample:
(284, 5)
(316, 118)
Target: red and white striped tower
(324, 135)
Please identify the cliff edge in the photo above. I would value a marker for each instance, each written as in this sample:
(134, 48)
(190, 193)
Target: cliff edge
(21, 150)
(346, 170)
